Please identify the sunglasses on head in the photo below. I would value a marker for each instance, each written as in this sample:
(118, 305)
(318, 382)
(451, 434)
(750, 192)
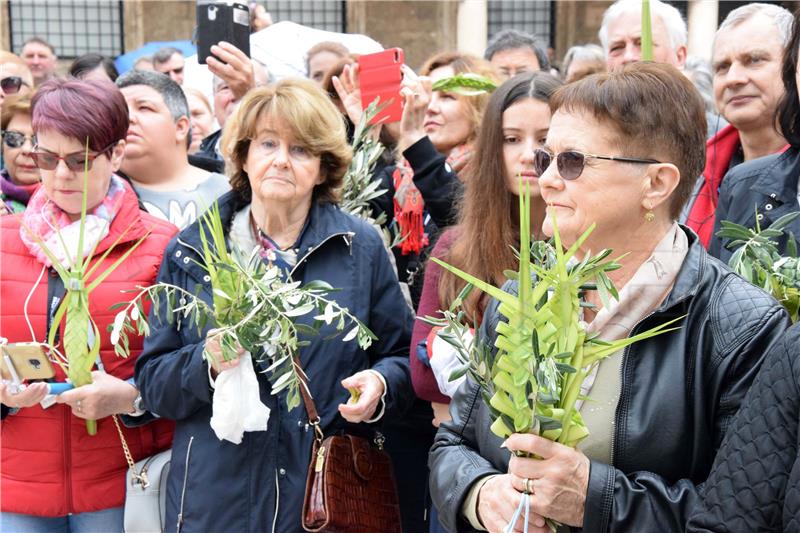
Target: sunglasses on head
(570, 163)
(15, 139)
(12, 84)
(76, 162)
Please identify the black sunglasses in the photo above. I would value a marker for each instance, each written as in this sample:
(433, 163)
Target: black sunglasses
(15, 139)
(76, 162)
(570, 163)
(12, 84)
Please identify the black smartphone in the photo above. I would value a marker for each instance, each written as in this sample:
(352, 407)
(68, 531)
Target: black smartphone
(219, 21)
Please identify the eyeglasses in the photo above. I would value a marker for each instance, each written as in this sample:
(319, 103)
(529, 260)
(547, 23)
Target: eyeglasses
(15, 139)
(12, 84)
(76, 162)
(570, 163)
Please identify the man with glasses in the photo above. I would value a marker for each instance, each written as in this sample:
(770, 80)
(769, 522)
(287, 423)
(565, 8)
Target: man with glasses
(169, 61)
(156, 150)
(40, 56)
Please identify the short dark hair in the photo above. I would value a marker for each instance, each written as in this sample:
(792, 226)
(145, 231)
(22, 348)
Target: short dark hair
(84, 110)
(162, 55)
(88, 62)
(169, 90)
(39, 40)
(654, 110)
(788, 111)
(512, 39)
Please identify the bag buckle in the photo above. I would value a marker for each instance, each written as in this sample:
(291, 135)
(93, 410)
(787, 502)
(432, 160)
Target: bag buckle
(379, 440)
(140, 479)
(318, 435)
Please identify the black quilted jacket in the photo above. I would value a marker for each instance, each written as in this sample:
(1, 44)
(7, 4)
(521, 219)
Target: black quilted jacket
(755, 482)
(679, 392)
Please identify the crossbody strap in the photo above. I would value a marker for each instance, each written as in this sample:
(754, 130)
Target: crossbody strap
(311, 408)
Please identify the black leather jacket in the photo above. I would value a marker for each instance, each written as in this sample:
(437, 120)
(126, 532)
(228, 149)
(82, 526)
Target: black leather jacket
(767, 184)
(678, 393)
(755, 482)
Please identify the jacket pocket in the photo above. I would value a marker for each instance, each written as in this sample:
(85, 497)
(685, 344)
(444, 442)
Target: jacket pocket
(185, 481)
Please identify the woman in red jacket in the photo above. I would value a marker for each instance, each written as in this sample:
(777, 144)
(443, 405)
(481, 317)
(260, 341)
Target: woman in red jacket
(53, 475)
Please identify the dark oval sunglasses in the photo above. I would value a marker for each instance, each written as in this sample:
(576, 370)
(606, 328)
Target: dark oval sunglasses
(12, 84)
(570, 163)
(15, 139)
(76, 162)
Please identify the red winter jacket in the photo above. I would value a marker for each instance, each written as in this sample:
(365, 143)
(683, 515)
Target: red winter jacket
(49, 465)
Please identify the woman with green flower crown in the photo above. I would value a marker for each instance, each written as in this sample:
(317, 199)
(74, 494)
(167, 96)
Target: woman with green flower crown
(288, 153)
(622, 152)
(55, 476)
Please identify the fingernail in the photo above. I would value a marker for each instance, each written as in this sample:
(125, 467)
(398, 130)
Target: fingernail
(503, 445)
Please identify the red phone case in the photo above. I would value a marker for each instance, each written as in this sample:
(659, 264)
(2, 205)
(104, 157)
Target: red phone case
(380, 76)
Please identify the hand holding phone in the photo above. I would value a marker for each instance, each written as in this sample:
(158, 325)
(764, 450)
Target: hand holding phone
(220, 21)
(26, 395)
(380, 76)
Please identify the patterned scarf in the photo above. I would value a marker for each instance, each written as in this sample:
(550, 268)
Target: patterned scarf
(49, 223)
(408, 204)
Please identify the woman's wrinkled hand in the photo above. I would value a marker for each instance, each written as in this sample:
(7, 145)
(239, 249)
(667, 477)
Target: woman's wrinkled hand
(416, 92)
(213, 351)
(28, 397)
(370, 389)
(498, 501)
(560, 479)
(105, 396)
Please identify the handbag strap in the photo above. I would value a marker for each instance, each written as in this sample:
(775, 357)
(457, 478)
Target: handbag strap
(308, 401)
(139, 478)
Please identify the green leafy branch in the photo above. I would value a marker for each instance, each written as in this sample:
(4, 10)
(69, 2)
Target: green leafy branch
(757, 259)
(252, 308)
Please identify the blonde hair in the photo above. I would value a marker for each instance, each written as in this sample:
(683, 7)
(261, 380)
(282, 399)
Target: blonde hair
(313, 121)
(461, 63)
(199, 94)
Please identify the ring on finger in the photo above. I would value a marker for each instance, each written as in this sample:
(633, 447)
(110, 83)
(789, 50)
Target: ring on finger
(78, 406)
(528, 486)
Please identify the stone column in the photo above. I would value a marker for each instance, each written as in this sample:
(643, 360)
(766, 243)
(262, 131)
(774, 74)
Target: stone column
(473, 26)
(577, 22)
(420, 28)
(702, 22)
(5, 30)
(165, 20)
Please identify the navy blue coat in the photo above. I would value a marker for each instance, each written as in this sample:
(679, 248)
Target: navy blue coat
(259, 484)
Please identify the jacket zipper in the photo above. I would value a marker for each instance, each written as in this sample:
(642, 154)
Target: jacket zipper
(68, 457)
(185, 480)
(348, 238)
(277, 502)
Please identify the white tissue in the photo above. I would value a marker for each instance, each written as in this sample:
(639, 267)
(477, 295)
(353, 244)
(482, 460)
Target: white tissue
(444, 361)
(237, 405)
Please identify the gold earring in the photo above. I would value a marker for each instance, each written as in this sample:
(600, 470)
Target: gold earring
(649, 216)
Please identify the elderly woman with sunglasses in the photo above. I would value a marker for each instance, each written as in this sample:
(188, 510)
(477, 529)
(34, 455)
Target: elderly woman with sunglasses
(20, 176)
(53, 476)
(659, 409)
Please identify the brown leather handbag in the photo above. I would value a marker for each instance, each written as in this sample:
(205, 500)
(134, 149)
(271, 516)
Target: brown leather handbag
(350, 486)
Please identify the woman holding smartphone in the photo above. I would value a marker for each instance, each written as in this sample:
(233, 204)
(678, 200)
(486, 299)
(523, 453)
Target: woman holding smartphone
(53, 475)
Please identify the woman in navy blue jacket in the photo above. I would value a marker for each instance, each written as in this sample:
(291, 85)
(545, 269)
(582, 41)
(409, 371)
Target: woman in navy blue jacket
(288, 154)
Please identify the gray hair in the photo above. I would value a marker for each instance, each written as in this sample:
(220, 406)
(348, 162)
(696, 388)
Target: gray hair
(780, 16)
(163, 55)
(512, 39)
(669, 15)
(585, 52)
(698, 70)
(170, 92)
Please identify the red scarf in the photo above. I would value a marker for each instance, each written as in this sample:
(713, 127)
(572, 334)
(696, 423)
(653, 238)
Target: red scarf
(408, 204)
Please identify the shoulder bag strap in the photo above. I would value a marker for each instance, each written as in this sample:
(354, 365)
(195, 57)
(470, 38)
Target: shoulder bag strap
(311, 408)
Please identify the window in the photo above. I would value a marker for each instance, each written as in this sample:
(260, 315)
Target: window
(73, 28)
(535, 17)
(329, 15)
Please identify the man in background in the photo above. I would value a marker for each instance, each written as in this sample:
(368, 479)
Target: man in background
(40, 56)
(169, 61)
(513, 52)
